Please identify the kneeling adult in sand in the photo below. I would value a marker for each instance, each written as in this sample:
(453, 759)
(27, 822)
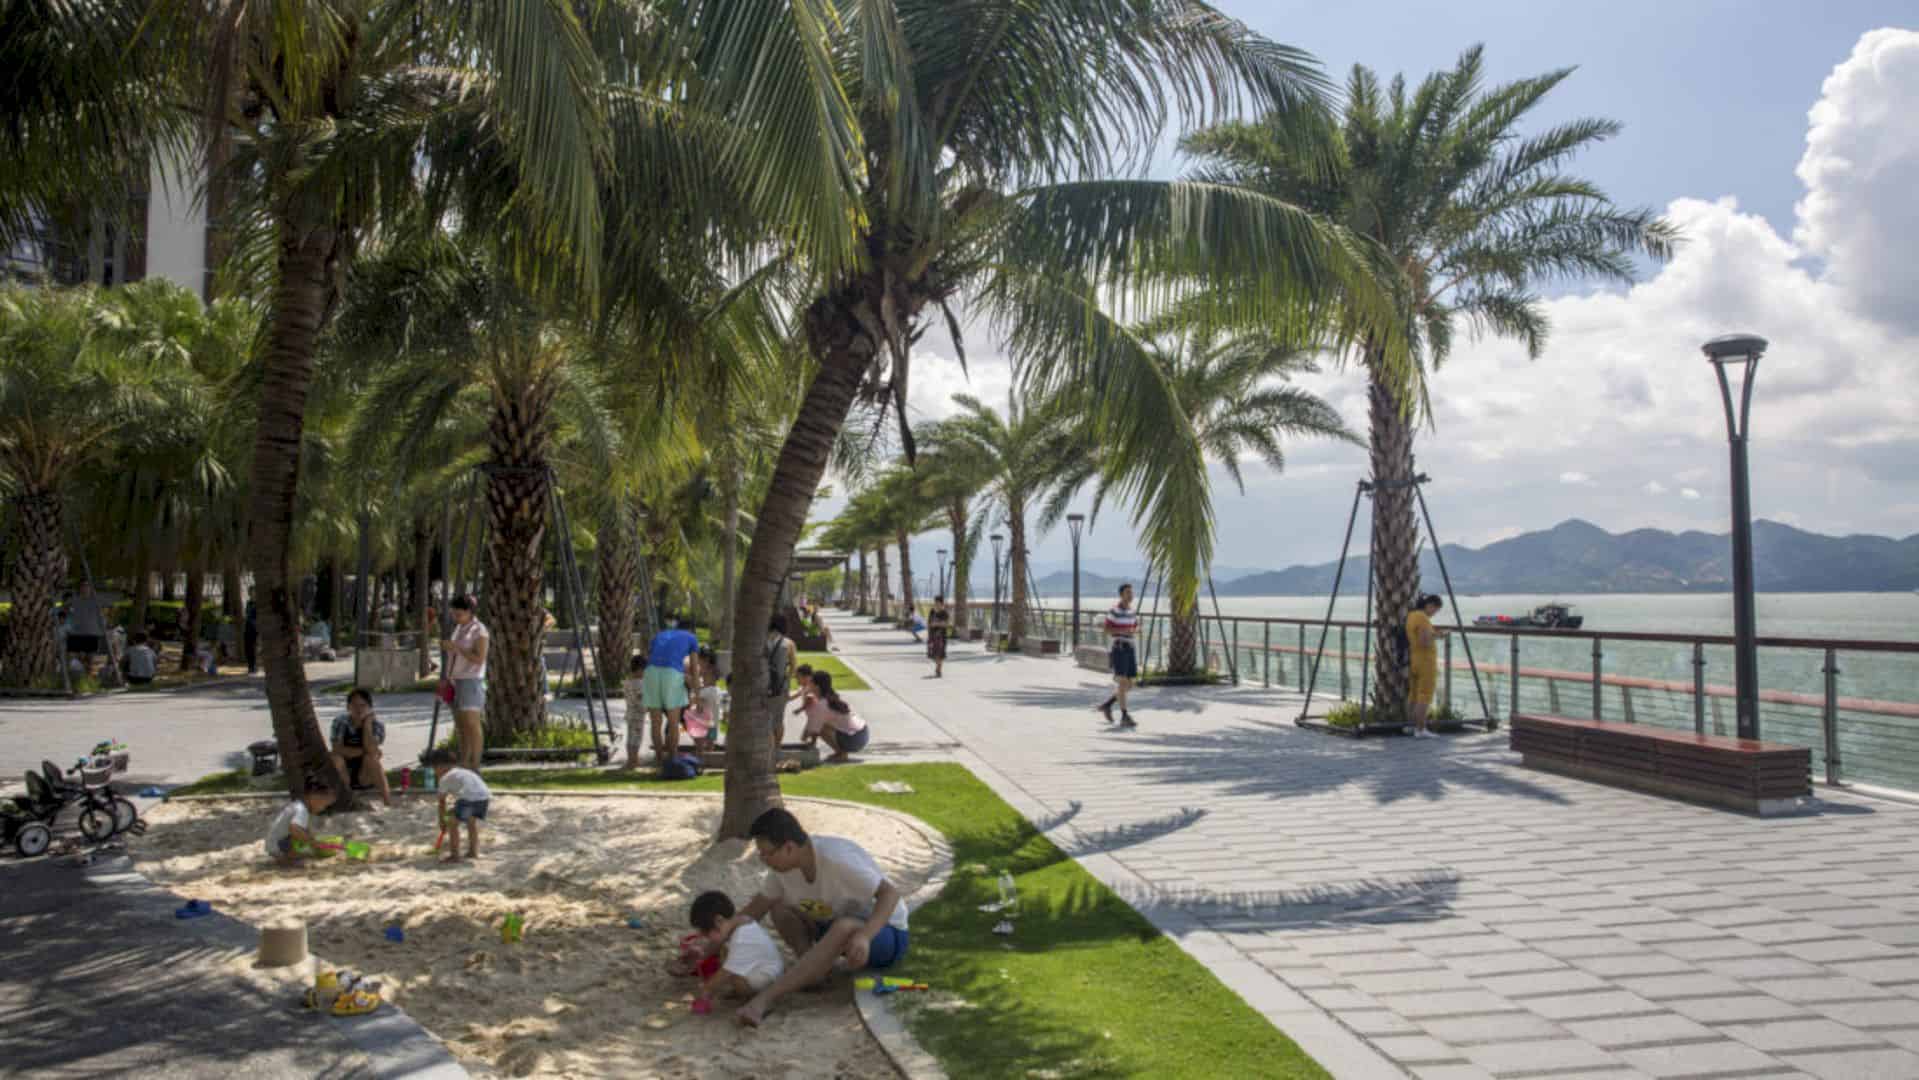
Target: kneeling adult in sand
(828, 899)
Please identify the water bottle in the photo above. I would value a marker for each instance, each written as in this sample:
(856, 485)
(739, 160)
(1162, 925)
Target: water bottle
(406, 777)
(1008, 890)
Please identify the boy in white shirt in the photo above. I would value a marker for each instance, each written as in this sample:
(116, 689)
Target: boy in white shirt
(828, 899)
(748, 958)
(470, 798)
(294, 824)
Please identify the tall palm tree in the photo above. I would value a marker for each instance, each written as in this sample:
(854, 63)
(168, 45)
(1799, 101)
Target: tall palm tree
(906, 509)
(64, 400)
(990, 130)
(952, 476)
(1021, 455)
(1474, 217)
(1233, 390)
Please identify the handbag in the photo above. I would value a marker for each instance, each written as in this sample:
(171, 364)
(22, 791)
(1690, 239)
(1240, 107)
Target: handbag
(446, 691)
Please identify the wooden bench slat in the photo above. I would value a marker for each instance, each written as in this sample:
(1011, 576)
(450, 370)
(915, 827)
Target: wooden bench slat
(1746, 774)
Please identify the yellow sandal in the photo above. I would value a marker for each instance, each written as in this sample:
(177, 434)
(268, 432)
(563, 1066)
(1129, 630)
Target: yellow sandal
(356, 1003)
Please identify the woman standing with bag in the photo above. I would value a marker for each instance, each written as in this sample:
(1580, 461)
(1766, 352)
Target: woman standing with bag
(466, 651)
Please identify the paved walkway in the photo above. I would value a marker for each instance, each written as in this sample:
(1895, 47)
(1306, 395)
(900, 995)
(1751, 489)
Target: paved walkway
(1431, 908)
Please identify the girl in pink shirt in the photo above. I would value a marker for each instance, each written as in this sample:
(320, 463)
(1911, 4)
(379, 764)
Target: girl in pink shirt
(831, 719)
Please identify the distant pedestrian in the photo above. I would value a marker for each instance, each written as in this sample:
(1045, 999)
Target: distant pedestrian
(781, 658)
(938, 622)
(142, 662)
(1122, 626)
(250, 637)
(663, 687)
(1424, 670)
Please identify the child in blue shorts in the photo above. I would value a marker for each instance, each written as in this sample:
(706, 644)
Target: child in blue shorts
(828, 899)
(470, 798)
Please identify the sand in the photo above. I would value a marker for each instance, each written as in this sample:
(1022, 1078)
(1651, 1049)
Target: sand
(583, 994)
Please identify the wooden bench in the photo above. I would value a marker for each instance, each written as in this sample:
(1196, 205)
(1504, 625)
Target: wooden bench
(1094, 657)
(1741, 774)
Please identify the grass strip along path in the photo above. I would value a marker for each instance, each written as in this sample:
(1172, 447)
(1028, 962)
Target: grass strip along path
(1085, 986)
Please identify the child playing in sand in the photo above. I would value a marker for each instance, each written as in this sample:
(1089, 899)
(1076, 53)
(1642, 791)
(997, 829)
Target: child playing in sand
(749, 960)
(470, 796)
(294, 825)
(828, 899)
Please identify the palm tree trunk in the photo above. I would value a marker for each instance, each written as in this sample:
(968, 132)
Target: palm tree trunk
(299, 305)
(1395, 556)
(142, 585)
(1182, 643)
(885, 583)
(40, 565)
(906, 577)
(619, 576)
(190, 624)
(423, 536)
(1016, 624)
(517, 490)
(232, 603)
(956, 518)
(844, 350)
(729, 551)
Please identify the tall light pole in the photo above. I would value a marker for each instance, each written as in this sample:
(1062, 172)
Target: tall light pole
(1074, 523)
(1741, 350)
(941, 590)
(997, 539)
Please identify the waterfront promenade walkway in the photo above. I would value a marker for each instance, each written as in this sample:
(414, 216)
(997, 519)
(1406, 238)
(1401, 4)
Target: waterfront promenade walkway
(1430, 907)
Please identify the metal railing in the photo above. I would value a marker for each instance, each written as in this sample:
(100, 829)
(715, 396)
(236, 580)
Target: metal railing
(1854, 703)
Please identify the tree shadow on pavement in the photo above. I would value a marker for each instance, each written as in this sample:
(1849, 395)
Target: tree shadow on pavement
(1287, 762)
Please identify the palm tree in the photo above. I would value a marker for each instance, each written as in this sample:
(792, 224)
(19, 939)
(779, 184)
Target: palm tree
(989, 131)
(1233, 391)
(1474, 217)
(951, 478)
(904, 507)
(64, 400)
(1020, 455)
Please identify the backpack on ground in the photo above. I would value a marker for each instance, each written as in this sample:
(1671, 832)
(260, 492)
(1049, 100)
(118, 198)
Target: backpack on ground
(680, 767)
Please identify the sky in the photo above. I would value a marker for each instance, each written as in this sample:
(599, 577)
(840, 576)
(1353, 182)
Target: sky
(1781, 138)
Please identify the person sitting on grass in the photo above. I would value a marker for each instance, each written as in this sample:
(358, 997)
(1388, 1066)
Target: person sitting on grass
(828, 899)
(749, 959)
(357, 737)
(470, 797)
(142, 663)
(830, 719)
(293, 826)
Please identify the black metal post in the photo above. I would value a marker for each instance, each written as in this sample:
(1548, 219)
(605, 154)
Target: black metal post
(1741, 349)
(1074, 522)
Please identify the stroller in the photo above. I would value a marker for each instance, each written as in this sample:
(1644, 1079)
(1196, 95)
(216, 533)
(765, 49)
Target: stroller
(29, 821)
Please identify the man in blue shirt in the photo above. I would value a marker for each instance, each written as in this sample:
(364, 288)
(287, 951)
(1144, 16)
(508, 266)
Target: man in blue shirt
(663, 689)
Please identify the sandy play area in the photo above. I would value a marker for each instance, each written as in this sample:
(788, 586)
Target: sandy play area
(583, 994)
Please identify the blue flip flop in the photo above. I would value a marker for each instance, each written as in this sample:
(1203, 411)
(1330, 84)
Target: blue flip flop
(193, 909)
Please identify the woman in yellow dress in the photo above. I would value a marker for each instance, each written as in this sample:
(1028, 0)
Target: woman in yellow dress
(1424, 640)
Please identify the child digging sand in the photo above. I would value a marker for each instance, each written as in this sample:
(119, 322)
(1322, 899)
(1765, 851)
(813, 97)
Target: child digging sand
(828, 899)
(294, 825)
(749, 960)
(470, 796)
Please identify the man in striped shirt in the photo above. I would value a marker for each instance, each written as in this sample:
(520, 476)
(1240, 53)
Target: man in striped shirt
(1122, 626)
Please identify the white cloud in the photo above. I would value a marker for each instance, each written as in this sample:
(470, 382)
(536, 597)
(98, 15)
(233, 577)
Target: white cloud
(1654, 487)
(1576, 479)
(1688, 493)
(1860, 172)
(934, 378)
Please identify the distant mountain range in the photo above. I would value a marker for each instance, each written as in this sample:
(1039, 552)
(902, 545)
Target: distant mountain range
(1580, 557)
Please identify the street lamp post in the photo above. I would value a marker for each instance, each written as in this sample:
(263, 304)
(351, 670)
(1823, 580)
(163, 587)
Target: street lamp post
(998, 539)
(1074, 523)
(941, 591)
(1730, 350)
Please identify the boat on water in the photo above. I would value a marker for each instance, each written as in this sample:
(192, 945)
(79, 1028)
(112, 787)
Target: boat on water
(1553, 616)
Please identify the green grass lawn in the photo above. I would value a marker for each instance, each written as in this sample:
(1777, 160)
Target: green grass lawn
(1084, 987)
(844, 678)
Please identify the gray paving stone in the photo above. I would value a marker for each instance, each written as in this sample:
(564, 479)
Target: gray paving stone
(1801, 1036)
(1408, 982)
(1729, 1010)
(1788, 933)
(1758, 968)
(1365, 963)
(1468, 945)
(1518, 962)
(1540, 983)
(1633, 963)
(1451, 1072)
(1891, 1012)
(1713, 948)
(1418, 1050)
(1590, 946)
(1889, 1064)
(1615, 1033)
(1565, 1007)
(1495, 1027)
(1698, 1059)
(1891, 971)
(1678, 930)
(1448, 1003)
(1666, 987)
(1835, 988)
(1538, 1056)
(1377, 1022)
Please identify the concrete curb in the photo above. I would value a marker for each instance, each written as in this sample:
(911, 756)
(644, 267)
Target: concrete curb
(395, 1043)
(1337, 1048)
